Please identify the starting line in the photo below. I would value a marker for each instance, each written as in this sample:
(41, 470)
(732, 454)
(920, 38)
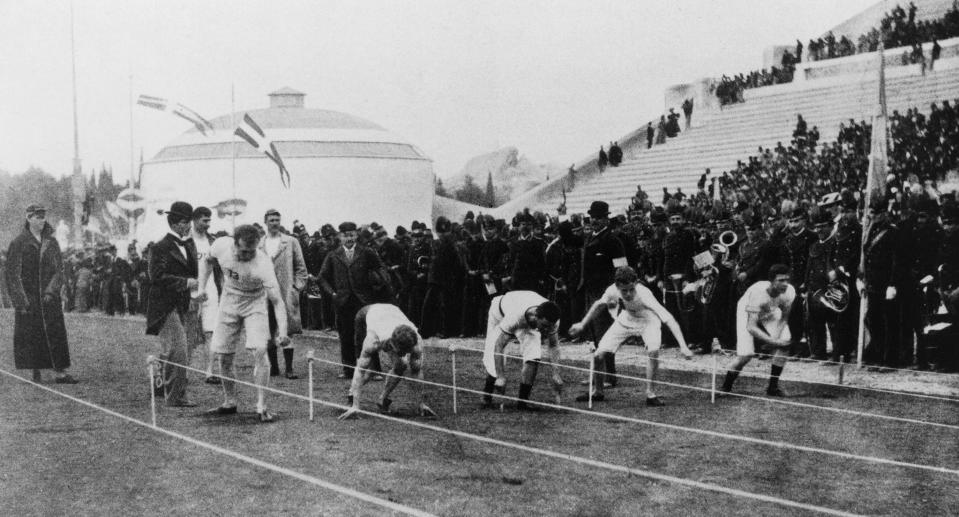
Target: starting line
(533, 450)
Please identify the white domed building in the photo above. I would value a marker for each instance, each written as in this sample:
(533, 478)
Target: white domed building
(341, 167)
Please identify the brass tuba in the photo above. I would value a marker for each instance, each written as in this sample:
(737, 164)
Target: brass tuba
(727, 240)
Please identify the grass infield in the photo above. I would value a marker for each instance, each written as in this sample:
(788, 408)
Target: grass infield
(59, 457)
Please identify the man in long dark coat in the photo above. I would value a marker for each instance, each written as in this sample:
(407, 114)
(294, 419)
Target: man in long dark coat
(173, 275)
(34, 274)
(444, 269)
(602, 252)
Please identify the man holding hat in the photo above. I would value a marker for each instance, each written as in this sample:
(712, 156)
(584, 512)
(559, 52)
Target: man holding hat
(345, 276)
(33, 277)
(603, 252)
(173, 275)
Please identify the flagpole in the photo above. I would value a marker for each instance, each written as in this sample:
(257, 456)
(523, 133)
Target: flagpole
(233, 144)
(875, 178)
(132, 163)
(78, 181)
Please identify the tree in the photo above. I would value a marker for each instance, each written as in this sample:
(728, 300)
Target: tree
(490, 191)
(470, 192)
(440, 190)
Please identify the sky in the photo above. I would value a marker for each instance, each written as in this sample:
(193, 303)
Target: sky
(556, 79)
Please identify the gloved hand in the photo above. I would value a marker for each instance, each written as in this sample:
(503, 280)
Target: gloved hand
(890, 293)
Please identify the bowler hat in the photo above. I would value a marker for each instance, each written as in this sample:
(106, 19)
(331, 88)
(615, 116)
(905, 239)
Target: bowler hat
(400, 231)
(598, 209)
(181, 209)
(347, 226)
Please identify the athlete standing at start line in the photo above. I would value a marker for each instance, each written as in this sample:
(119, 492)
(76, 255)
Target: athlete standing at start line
(248, 281)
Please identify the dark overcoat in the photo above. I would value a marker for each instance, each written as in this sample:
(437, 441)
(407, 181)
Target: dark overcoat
(352, 281)
(34, 275)
(169, 271)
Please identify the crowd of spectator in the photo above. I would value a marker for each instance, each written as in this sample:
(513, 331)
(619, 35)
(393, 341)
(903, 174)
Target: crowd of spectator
(898, 28)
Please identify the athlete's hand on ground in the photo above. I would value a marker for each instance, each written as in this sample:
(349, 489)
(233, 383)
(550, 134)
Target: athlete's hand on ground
(687, 353)
(353, 412)
(500, 382)
(426, 411)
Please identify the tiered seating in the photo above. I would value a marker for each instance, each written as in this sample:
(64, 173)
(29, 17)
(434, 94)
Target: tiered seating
(768, 116)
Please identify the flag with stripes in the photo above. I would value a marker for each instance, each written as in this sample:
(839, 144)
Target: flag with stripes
(202, 125)
(250, 131)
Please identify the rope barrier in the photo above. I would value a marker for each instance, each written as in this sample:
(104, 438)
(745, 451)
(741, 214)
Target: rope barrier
(247, 459)
(886, 368)
(768, 400)
(840, 384)
(555, 454)
(742, 375)
(611, 416)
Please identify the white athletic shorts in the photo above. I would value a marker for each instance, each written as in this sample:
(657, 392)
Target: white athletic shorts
(530, 342)
(226, 335)
(618, 333)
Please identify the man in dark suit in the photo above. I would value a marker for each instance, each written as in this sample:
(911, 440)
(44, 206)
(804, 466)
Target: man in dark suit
(173, 274)
(346, 276)
(880, 275)
(602, 253)
(445, 268)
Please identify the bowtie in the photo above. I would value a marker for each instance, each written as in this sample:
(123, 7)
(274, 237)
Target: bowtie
(181, 242)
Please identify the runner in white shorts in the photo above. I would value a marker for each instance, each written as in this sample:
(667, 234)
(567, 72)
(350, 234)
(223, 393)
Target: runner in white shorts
(639, 315)
(384, 327)
(762, 314)
(248, 280)
(531, 320)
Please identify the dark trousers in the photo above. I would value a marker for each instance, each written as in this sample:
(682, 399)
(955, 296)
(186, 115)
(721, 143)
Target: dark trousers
(818, 320)
(844, 329)
(882, 320)
(797, 324)
(563, 299)
(328, 311)
(434, 318)
(595, 331)
(345, 327)
(417, 295)
(677, 306)
(472, 314)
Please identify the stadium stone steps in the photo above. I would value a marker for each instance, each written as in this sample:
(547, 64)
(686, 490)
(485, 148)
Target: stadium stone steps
(768, 116)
